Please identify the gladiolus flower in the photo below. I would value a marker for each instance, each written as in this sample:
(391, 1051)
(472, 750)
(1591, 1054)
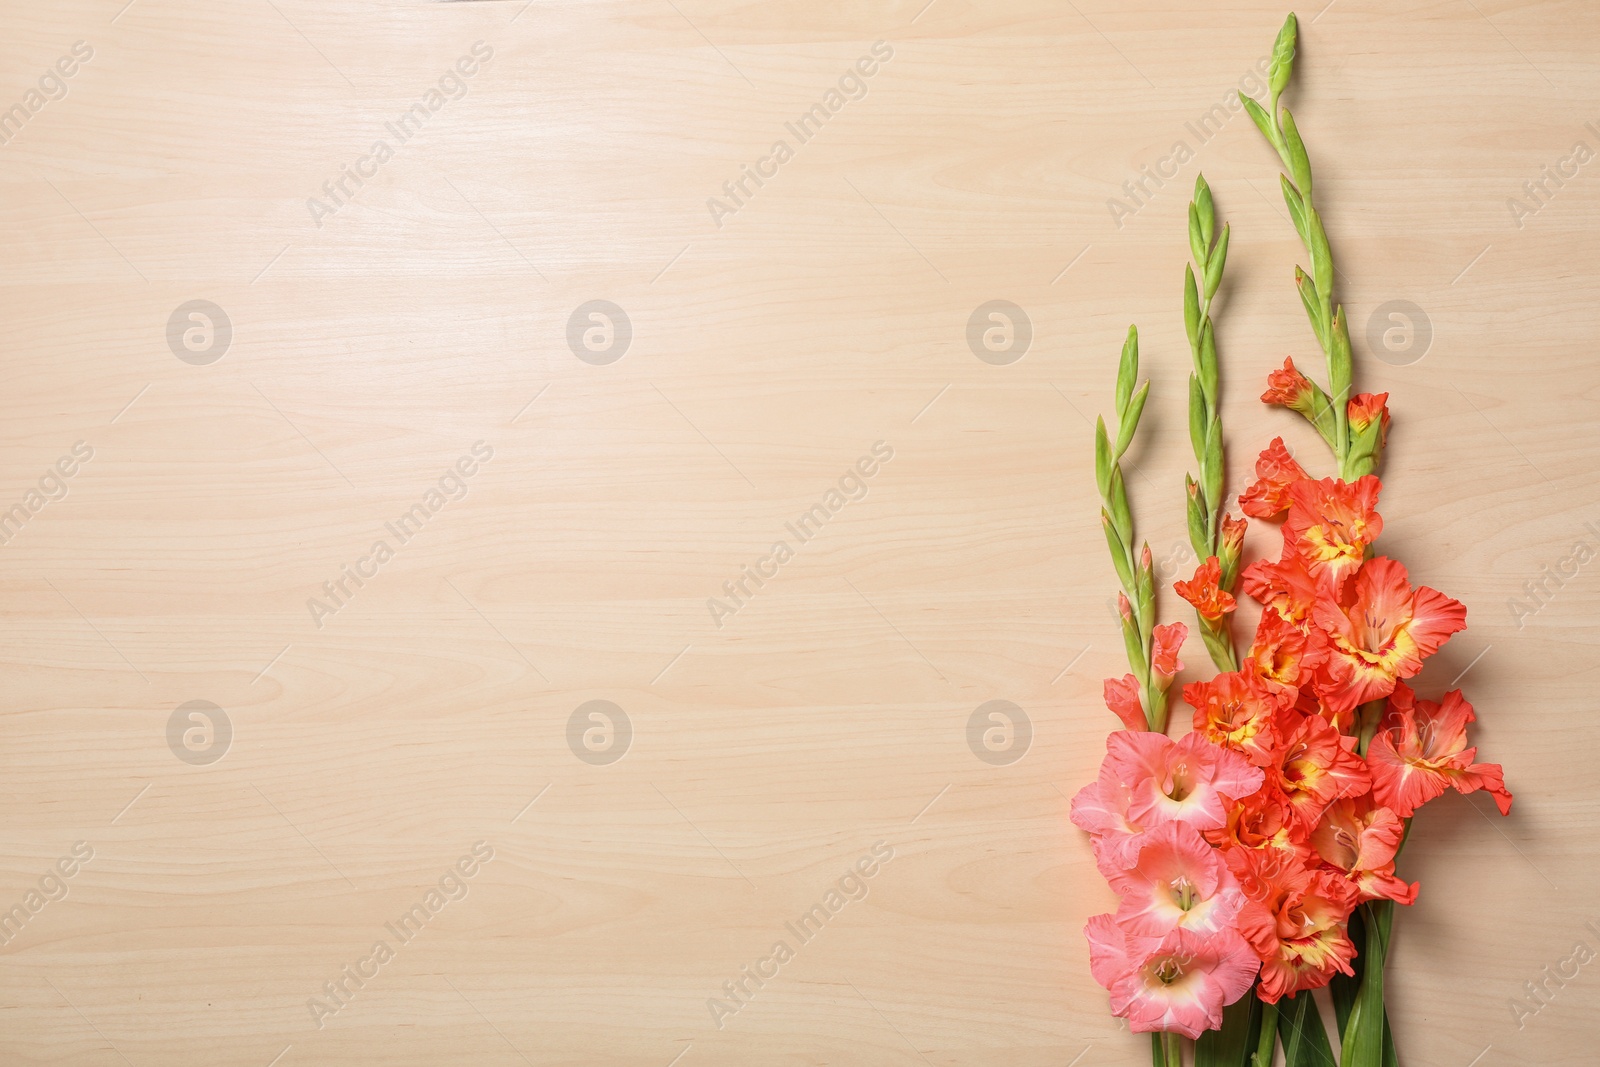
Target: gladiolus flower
(1212, 602)
(1380, 632)
(1330, 525)
(1367, 408)
(1284, 656)
(1289, 388)
(1296, 920)
(1276, 470)
(1167, 640)
(1421, 749)
(1263, 822)
(1283, 586)
(1314, 766)
(1235, 711)
(1178, 984)
(1148, 780)
(1178, 781)
(1361, 840)
(1122, 697)
(1177, 882)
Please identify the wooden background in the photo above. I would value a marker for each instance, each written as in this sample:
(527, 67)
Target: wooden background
(768, 354)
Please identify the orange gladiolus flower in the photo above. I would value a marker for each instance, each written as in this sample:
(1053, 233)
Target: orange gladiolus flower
(1313, 766)
(1366, 408)
(1330, 525)
(1296, 920)
(1380, 632)
(1203, 591)
(1283, 586)
(1122, 697)
(1237, 712)
(1361, 840)
(1283, 655)
(1421, 750)
(1276, 470)
(1261, 821)
(1288, 387)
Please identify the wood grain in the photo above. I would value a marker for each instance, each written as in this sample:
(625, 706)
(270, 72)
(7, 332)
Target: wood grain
(772, 748)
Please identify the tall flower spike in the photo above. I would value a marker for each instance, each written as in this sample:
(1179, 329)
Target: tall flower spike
(1211, 532)
(1151, 661)
(1325, 410)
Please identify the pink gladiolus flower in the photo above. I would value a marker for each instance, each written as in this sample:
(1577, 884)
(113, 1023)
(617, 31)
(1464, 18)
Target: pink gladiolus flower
(1178, 882)
(1178, 983)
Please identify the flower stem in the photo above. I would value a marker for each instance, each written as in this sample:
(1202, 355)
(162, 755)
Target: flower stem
(1269, 1034)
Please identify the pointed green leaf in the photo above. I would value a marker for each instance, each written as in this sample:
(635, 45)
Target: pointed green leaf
(1199, 532)
(1102, 459)
(1299, 162)
(1197, 246)
(1119, 551)
(1197, 419)
(1191, 307)
(1297, 208)
(1127, 369)
(1219, 256)
(1305, 1042)
(1208, 364)
(1321, 255)
(1236, 1040)
(1258, 115)
(1130, 421)
(1214, 469)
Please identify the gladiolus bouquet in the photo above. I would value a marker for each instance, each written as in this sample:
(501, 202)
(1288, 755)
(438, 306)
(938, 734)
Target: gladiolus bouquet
(1255, 856)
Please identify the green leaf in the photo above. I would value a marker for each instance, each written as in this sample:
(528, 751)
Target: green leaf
(1199, 530)
(1299, 162)
(1308, 296)
(1219, 256)
(1133, 641)
(1231, 1045)
(1305, 1042)
(1258, 115)
(1102, 459)
(1208, 364)
(1119, 551)
(1297, 208)
(1214, 469)
(1321, 255)
(1191, 307)
(1130, 421)
(1121, 515)
(1197, 246)
(1127, 369)
(1208, 211)
(1339, 369)
(1197, 419)
(1363, 1032)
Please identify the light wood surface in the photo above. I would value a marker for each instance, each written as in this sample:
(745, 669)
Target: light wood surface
(770, 753)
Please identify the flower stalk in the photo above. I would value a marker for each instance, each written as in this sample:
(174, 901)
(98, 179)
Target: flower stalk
(1136, 604)
(1211, 533)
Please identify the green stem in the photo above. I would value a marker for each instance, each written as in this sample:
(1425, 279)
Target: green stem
(1269, 1033)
